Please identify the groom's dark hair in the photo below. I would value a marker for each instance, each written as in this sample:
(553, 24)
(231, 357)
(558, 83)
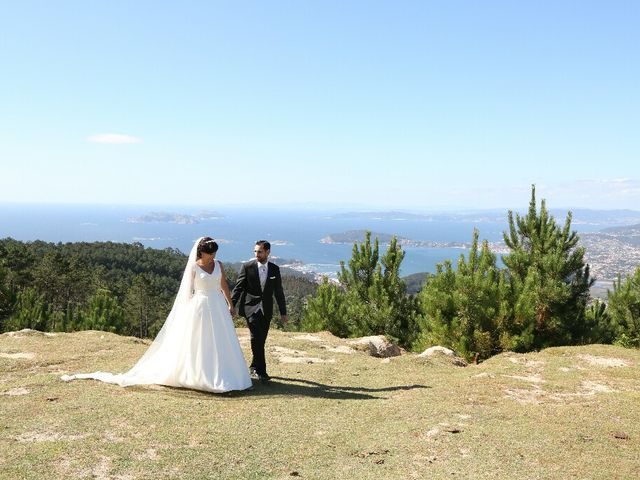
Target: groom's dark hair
(264, 244)
(206, 245)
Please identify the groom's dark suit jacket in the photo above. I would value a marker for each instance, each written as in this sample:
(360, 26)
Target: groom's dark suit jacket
(248, 295)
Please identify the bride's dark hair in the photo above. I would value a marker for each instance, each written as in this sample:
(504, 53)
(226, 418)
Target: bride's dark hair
(206, 245)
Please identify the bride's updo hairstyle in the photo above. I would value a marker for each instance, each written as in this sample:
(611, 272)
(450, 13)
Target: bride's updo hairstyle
(206, 245)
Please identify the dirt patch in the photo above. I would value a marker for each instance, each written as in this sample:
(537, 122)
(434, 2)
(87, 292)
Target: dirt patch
(19, 355)
(528, 378)
(537, 395)
(25, 332)
(148, 454)
(588, 388)
(101, 471)
(57, 372)
(523, 396)
(289, 355)
(525, 362)
(339, 349)
(443, 428)
(308, 338)
(111, 437)
(483, 375)
(16, 392)
(288, 359)
(604, 361)
(29, 437)
(277, 351)
(592, 387)
(433, 432)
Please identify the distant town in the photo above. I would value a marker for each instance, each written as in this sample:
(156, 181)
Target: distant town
(609, 253)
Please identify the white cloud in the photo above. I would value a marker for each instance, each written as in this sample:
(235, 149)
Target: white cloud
(113, 138)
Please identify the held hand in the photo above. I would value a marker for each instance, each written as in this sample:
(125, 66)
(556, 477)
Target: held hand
(284, 319)
(232, 310)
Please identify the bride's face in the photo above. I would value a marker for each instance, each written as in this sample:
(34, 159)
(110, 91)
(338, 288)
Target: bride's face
(207, 257)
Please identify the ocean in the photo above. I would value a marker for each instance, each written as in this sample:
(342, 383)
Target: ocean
(295, 234)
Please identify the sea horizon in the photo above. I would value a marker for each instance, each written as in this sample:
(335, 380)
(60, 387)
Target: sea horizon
(294, 234)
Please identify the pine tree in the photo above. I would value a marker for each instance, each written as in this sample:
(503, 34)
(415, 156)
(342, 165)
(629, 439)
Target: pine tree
(623, 310)
(549, 281)
(138, 306)
(71, 320)
(104, 313)
(7, 297)
(463, 309)
(371, 298)
(597, 316)
(30, 311)
(363, 265)
(327, 310)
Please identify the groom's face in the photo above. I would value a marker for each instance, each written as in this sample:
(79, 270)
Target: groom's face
(260, 253)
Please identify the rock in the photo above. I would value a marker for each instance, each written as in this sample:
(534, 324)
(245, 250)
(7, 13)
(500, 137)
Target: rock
(378, 346)
(437, 349)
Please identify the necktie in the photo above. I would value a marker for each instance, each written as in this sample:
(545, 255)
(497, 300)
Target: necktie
(263, 276)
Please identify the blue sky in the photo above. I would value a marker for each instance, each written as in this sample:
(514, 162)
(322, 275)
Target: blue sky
(397, 104)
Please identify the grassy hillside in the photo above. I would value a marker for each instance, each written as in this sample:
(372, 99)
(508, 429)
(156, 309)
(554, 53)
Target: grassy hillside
(329, 413)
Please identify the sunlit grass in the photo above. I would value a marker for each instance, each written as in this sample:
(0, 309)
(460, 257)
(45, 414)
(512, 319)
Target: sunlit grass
(553, 414)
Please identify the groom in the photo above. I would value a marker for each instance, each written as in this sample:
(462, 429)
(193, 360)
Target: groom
(259, 280)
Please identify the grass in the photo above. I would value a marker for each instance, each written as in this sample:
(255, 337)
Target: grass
(560, 413)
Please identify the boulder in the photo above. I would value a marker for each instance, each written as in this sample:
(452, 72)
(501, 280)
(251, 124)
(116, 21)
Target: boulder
(377, 345)
(437, 349)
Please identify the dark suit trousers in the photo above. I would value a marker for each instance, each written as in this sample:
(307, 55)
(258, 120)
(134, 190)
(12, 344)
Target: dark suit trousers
(259, 328)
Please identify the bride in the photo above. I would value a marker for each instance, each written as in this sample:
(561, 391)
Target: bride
(197, 346)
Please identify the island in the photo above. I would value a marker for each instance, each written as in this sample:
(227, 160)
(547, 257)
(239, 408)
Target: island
(178, 218)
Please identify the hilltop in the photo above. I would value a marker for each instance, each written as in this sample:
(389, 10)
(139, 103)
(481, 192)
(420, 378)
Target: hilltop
(331, 412)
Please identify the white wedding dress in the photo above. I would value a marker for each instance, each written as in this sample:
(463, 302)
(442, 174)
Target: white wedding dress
(196, 348)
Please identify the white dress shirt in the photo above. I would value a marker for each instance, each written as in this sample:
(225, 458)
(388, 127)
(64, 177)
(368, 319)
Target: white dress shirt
(262, 272)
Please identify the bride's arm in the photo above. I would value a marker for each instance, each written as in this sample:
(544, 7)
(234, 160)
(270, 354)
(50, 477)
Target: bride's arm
(225, 288)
